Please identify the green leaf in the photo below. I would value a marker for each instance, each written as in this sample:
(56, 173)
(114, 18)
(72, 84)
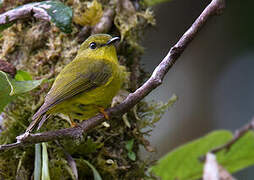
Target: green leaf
(5, 26)
(5, 89)
(132, 155)
(45, 163)
(154, 2)
(96, 174)
(240, 155)
(161, 108)
(37, 162)
(183, 163)
(60, 14)
(9, 88)
(23, 76)
(19, 87)
(129, 144)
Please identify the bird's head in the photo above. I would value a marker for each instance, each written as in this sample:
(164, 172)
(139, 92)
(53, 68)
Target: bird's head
(99, 46)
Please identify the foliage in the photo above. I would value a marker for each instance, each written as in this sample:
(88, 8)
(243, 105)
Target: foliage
(129, 146)
(37, 162)
(60, 14)
(129, 21)
(5, 26)
(89, 16)
(10, 88)
(151, 112)
(45, 163)
(5, 90)
(184, 162)
(96, 175)
(240, 155)
(23, 76)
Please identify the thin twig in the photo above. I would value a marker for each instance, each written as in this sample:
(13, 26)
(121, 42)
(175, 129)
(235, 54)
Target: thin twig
(105, 23)
(154, 81)
(237, 135)
(10, 146)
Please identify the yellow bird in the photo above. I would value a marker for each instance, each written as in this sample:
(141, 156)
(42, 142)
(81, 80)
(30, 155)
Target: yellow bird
(87, 85)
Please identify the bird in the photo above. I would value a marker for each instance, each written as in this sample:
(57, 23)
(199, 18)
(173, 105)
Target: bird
(85, 86)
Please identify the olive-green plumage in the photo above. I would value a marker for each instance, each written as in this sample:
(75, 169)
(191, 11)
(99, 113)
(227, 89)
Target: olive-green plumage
(86, 84)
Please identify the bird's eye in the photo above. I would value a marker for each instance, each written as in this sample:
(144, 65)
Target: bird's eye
(92, 45)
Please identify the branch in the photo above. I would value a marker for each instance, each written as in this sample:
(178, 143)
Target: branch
(214, 8)
(105, 22)
(8, 68)
(237, 135)
(22, 12)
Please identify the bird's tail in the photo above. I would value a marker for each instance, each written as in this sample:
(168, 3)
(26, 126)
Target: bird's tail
(37, 121)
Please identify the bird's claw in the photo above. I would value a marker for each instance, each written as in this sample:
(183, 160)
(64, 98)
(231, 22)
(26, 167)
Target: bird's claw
(105, 114)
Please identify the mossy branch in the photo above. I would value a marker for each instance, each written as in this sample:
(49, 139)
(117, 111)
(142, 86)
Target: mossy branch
(214, 8)
(45, 10)
(23, 12)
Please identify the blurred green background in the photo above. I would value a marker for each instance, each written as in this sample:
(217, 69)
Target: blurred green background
(213, 78)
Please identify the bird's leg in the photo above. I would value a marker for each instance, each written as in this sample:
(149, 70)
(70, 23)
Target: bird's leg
(102, 110)
(72, 123)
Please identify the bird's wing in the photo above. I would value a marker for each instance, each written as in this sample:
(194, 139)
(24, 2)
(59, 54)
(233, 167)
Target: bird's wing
(77, 77)
(96, 73)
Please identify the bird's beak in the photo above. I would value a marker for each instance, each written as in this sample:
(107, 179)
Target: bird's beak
(112, 41)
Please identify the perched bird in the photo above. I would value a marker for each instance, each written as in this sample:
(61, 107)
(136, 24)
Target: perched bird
(87, 85)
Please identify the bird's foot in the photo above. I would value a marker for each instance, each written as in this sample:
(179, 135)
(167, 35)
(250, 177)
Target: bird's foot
(102, 110)
(72, 123)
